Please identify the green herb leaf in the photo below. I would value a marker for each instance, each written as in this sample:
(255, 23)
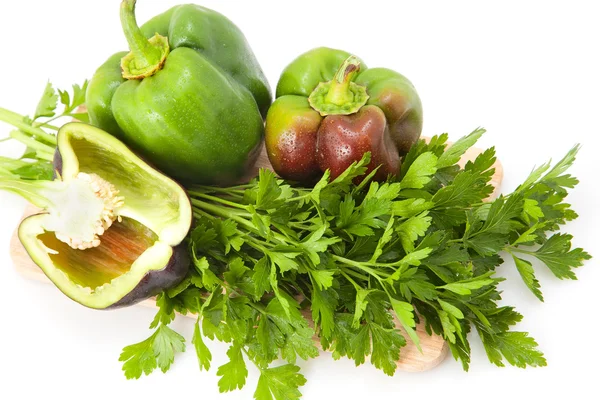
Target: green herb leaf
(526, 270)
(202, 352)
(234, 373)
(324, 303)
(452, 155)
(517, 348)
(156, 351)
(413, 228)
(556, 253)
(166, 311)
(361, 306)
(405, 313)
(280, 383)
(47, 105)
(464, 288)
(386, 348)
(420, 172)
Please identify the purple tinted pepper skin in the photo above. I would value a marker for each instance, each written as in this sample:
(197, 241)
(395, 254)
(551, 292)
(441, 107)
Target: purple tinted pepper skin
(343, 139)
(331, 109)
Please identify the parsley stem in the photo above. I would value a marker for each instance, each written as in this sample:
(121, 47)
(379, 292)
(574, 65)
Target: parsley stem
(223, 212)
(256, 244)
(200, 213)
(349, 279)
(47, 125)
(251, 359)
(11, 163)
(511, 249)
(301, 225)
(362, 266)
(355, 274)
(235, 216)
(16, 120)
(365, 264)
(227, 190)
(31, 142)
(260, 309)
(255, 240)
(297, 198)
(38, 123)
(47, 122)
(216, 199)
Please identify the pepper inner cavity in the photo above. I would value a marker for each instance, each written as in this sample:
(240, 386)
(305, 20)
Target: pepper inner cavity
(121, 245)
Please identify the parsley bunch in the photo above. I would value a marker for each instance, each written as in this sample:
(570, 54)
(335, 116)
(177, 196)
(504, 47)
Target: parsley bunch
(276, 266)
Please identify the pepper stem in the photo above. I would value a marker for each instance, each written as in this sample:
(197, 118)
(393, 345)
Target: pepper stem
(339, 91)
(147, 56)
(340, 95)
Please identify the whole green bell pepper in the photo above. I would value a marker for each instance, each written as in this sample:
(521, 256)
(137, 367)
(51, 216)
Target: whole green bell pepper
(189, 97)
(330, 110)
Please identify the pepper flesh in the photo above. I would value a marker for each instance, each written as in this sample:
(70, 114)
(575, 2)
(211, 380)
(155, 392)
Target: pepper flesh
(327, 100)
(199, 88)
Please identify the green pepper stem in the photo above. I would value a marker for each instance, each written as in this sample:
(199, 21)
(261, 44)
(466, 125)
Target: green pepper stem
(339, 91)
(147, 56)
(340, 96)
(145, 53)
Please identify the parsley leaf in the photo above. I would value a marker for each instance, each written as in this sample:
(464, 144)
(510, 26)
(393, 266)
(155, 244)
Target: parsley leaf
(47, 105)
(158, 351)
(517, 348)
(234, 373)
(202, 352)
(280, 383)
(452, 155)
(526, 270)
(386, 348)
(78, 97)
(556, 253)
(420, 172)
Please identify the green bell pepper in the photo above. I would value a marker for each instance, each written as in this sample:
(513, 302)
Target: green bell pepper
(330, 110)
(189, 97)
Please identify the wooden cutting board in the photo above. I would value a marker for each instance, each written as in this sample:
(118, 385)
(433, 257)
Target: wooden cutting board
(411, 359)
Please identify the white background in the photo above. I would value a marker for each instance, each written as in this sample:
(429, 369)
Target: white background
(528, 72)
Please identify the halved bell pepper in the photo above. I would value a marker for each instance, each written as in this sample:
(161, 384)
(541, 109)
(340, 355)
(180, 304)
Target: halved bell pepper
(112, 226)
(331, 109)
(189, 97)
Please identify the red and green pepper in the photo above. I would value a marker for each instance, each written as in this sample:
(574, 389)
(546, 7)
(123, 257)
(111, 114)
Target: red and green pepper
(331, 109)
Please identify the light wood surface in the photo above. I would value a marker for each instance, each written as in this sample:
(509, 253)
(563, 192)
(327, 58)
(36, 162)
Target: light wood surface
(411, 359)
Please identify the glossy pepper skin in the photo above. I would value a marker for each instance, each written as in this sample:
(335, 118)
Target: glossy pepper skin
(330, 109)
(190, 97)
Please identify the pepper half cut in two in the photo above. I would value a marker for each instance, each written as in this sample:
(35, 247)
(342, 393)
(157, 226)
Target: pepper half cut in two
(112, 228)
